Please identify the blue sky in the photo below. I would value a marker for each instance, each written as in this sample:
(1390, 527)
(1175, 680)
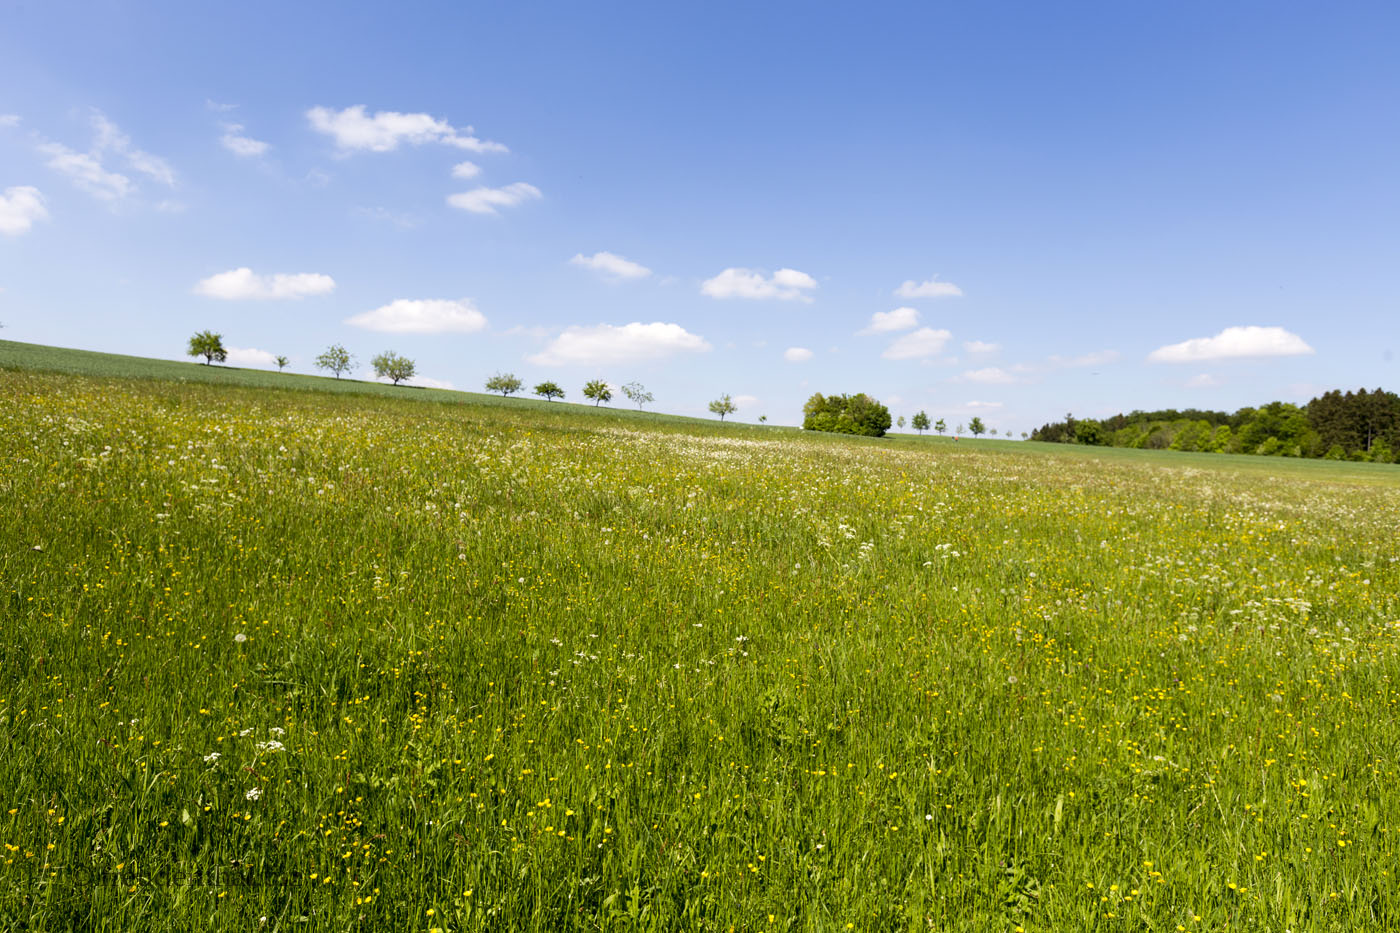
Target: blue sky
(1009, 210)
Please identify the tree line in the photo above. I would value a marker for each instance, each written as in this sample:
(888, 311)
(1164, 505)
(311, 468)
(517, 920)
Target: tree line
(1360, 425)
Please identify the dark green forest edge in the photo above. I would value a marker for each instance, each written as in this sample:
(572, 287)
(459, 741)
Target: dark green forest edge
(1361, 426)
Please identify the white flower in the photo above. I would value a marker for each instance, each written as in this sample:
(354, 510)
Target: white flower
(210, 758)
(277, 730)
(240, 638)
(254, 794)
(271, 745)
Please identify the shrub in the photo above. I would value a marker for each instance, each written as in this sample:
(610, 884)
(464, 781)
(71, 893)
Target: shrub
(846, 414)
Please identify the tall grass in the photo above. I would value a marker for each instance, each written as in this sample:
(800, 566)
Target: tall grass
(296, 660)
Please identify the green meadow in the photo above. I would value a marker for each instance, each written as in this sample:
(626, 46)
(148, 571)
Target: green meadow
(283, 653)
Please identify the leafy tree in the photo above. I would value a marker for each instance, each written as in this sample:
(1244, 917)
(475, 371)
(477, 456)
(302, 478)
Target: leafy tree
(282, 362)
(920, 423)
(598, 390)
(762, 419)
(940, 425)
(637, 393)
(209, 345)
(724, 405)
(846, 414)
(976, 426)
(550, 390)
(900, 422)
(337, 359)
(390, 365)
(504, 383)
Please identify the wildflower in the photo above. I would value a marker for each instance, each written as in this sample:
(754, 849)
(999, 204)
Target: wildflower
(240, 638)
(212, 757)
(253, 794)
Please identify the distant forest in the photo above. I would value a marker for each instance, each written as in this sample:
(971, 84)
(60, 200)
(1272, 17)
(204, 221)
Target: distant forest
(1352, 426)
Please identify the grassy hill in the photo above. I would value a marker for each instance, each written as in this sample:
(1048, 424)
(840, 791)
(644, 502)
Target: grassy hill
(389, 660)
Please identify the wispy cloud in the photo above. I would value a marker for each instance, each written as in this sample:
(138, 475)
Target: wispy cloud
(797, 354)
(887, 322)
(487, 200)
(922, 343)
(354, 130)
(240, 144)
(929, 288)
(611, 266)
(89, 172)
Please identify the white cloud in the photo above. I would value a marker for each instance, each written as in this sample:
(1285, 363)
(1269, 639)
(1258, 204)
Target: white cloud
(797, 354)
(396, 218)
(980, 346)
(466, 170)
(532, 330)
(486, 200)
(243, 284)
(1097, 358)
(783, 285)
(20, 206)
(886, 322)
(612, 266)
(240, 145)
(985, 406)
(606, 343)
(247, 356)
(422, 316)
(86, 171)
(1202, 381)
(992, 375)
(1233, 343)
(9, 119)
(921, 343)
(386, 130)
(932, 288)
(745, 401)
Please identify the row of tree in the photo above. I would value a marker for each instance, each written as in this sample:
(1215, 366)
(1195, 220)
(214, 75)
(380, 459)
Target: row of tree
(1357, 425)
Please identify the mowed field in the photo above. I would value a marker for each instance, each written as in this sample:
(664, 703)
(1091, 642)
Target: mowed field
(295, 660)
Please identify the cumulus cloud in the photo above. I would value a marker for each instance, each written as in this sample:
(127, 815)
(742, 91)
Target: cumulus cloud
(1233, 343)
(241, 145)
(611, 266)
(486, 200)
(607, 343)
(887, 322)
(422, 316)
(354, 130)
(20, 206)
(783, 285)
(466, 170)
(992, 375)
(243, 284)
(980, 346)
(931, 288)
(248, 356)
(923, 342)
(797, 354)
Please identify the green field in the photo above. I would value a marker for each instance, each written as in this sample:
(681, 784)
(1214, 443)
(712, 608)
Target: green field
(284, 658)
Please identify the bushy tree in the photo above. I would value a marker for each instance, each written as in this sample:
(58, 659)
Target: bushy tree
(390, 365)
(846, 414)
(282, 362)
(550, 390)
(900, 422)
(209, 345)
(337, 359)
(504, 383)
(975, 426)
(940, 426)
(724, 405)
(637, 393)
(598, 390)
(920, 423)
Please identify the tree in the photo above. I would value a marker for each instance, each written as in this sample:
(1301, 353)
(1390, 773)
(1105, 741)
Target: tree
(940, 426)
(959, 430)
(724, 405)
(976, 426)
(598, 390)
(209, 345)
(390, 365)
(900, 422)
(337, 359)
(504, 383)
(637, 393)
(920, 423)
(282, 362)
(550, 391)
(762, 419)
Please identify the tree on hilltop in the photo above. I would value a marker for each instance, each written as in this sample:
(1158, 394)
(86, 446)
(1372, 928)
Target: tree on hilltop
(598, 390)
(337, 359)
(281, 362)
(504, 383)
(550, 390)
(920, 422)
(940, 426)
(637, 393)
(724, 405)
(209, 345)
(975, 426)
(390, 365)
